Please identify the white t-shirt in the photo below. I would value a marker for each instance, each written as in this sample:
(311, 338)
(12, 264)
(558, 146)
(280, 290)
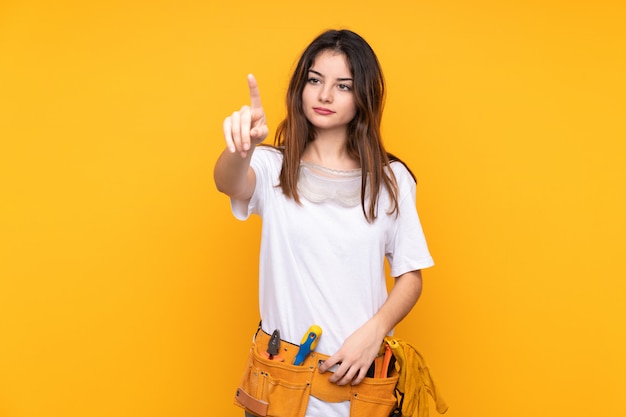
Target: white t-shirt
(322, 262)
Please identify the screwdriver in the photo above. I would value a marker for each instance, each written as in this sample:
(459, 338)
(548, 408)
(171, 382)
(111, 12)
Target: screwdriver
(308, 343)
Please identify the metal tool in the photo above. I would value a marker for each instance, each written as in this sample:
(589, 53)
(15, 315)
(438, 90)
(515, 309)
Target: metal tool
(273, 347)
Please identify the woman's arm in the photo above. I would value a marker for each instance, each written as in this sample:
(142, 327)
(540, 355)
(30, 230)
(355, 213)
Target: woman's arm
(243, 130)
(360, 349)
(233, 175)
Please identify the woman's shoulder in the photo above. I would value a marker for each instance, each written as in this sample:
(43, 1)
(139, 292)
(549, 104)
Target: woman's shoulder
(267, 161)
(271, 149)
(400, 169)
(268, 152)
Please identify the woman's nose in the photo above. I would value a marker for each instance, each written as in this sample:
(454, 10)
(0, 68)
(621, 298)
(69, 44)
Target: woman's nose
(326, 94)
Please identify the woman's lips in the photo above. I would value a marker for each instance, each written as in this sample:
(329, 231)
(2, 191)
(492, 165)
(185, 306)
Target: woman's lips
(322, 110)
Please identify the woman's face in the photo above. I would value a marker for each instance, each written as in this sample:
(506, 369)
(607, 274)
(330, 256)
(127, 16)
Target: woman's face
(328, 97)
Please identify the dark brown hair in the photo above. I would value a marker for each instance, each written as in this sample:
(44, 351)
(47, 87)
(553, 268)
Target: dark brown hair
(364, 137)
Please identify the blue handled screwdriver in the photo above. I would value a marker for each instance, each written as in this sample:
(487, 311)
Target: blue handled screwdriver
(308, 343)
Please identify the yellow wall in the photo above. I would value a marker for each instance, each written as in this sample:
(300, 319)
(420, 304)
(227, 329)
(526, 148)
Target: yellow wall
(127, 288)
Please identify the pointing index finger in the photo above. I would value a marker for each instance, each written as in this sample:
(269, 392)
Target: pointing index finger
(255, 95)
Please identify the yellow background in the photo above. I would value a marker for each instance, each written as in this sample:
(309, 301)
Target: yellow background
(128, 289)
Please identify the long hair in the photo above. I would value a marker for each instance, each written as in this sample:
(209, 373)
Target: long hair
(364, 141)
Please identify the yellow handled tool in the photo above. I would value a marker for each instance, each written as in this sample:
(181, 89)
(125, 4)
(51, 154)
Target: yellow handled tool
(308, 343)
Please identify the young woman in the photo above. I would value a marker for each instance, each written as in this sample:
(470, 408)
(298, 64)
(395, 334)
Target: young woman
(334, 206)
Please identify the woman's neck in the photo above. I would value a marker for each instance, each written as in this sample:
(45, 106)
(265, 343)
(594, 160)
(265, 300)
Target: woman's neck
(329, 151)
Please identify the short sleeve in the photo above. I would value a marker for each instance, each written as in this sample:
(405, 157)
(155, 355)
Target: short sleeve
(266, 163)
(407, 249)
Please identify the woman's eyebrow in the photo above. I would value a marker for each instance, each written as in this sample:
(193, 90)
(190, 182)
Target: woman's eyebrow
(322, 75)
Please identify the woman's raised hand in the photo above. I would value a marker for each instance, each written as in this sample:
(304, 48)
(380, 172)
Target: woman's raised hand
(246, 127)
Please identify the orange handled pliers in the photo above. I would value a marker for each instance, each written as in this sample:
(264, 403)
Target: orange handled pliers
(384, 369)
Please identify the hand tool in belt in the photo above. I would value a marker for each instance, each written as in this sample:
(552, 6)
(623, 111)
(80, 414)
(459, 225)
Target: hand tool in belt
(385, 369)
(308, 343)
(273, 346)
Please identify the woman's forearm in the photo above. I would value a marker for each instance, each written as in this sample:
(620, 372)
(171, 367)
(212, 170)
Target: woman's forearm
(402, 297)
(233, 175)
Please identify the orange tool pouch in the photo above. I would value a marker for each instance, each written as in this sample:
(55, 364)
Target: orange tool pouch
(275, 388)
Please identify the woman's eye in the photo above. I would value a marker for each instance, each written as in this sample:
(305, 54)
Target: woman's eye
(345, 87)
(314, 80)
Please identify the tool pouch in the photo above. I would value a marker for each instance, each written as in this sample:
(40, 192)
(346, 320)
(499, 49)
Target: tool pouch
(275, 388)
